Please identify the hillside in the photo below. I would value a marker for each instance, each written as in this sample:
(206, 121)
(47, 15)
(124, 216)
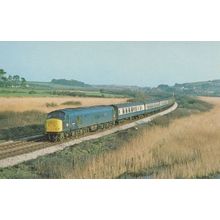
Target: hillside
(204, 88)
(71, 82)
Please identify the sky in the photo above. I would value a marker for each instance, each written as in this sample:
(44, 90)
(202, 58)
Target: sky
(142, 63)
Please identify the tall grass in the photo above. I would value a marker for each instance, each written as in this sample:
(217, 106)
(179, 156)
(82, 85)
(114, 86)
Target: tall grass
(19, 124)
(47, 104)
(183, 148)
(187, 148)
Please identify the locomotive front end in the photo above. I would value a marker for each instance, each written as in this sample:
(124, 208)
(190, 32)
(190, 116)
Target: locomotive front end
(54, 126)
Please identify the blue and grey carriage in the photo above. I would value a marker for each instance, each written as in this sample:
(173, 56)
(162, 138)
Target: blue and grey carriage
(138, 109)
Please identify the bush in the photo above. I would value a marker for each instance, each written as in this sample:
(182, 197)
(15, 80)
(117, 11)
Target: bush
(72, 103)
(32, 92)
(51, 104)
(192, 103)
(68, 93)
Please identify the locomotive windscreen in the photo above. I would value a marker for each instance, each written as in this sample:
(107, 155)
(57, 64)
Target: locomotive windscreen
(56, 114)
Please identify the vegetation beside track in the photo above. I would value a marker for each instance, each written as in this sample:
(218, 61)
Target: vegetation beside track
(14, 125)
(70, 162)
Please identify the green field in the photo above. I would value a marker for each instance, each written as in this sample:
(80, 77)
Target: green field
(40, 92)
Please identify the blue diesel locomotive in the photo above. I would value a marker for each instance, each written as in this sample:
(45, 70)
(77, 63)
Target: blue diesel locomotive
(76, 121)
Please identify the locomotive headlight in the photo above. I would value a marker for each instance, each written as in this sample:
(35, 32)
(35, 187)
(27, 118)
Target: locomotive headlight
(67, 124)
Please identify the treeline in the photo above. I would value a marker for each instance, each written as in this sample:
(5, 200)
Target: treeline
(71, 82)
(68, 93)
(135, 95)
(125, 92)
(11, 80)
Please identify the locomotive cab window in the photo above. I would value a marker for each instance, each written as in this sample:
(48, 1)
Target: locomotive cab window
(57, 114)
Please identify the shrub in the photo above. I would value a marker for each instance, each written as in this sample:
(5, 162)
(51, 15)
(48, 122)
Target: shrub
(72, 103)
(51, 104)
(32, 92)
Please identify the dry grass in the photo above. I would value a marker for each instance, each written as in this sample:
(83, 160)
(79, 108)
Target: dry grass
(188, 148)
(20, 104)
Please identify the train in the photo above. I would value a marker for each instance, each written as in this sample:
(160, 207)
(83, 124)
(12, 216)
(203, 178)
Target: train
(74, 122)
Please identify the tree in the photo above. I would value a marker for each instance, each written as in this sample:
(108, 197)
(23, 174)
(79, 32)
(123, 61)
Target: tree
(16, 80)
(23, 82)
(2, 77)
(4, 81)
(10, 81)
(9, 84)
(2, 73)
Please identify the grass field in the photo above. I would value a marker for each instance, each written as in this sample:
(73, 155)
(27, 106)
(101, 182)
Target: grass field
(55, 91)
(154, 150)
(187, 148)
(21, 104)
(14, 125)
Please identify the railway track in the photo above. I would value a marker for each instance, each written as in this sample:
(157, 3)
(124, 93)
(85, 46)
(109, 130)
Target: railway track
(12, 153)
(21, 147)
